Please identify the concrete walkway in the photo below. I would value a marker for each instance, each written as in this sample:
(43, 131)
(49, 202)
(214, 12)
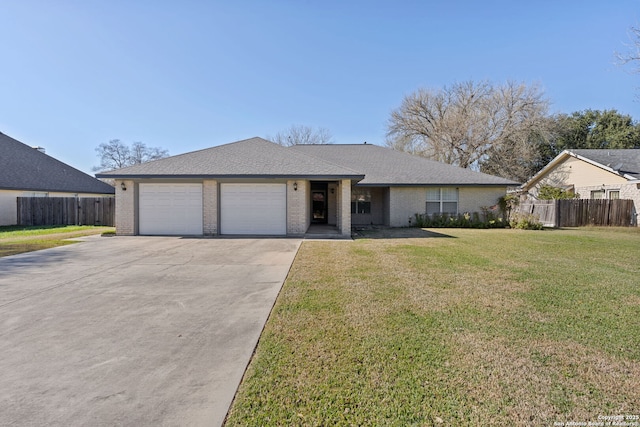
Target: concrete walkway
(144, 331)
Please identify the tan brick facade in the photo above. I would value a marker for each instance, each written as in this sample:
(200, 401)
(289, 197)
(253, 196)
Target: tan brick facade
(474, 199)
(210, 207)
(344, 207)
(405, 202)
(298, 217)
(401, 204)
(126, 222)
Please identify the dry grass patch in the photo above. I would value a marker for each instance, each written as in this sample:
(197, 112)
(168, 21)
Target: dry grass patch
(486, 327)
(540, 381)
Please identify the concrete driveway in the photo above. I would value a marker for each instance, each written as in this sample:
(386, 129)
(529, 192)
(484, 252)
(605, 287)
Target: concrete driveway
(143, 331)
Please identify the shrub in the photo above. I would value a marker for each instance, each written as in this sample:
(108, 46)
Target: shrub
(508, 203)
(548, 192)
(525, 222)
(485, 219)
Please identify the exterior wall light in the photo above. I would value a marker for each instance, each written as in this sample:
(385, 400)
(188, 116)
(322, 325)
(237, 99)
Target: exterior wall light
(124, 187)
(295, 186)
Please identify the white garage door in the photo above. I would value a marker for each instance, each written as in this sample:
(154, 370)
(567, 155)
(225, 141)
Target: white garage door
(174, 209)
(253, 209)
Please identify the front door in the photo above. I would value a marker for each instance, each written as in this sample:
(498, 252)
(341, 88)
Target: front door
(319, 207)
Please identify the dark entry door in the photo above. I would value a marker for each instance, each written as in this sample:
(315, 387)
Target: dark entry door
(319, 198)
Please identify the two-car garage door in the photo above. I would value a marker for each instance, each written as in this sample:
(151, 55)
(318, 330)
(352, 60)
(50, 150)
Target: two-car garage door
(177, 209)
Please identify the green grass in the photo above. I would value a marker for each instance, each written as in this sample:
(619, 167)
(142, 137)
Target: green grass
(19, 239)
(490, 327)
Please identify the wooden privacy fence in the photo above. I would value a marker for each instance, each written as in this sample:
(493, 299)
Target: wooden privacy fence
(544, 210)
(66, 211)
(581, 212)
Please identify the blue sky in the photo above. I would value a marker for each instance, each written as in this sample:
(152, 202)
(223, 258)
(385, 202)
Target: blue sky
(186, 75)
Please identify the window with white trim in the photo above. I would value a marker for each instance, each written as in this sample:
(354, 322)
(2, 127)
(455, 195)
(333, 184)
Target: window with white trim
(597, 194)
(614, 194)
(442, 200)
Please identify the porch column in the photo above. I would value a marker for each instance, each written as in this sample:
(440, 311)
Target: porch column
(298, 215)
(344, 207)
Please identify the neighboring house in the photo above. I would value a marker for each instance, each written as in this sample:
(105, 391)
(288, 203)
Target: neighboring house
(28, 172)
(256, 187)
(592, 174)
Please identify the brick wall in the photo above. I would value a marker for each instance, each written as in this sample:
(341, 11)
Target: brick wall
(344, 207)
(473, 199)
(297, 207)
(405, 202)
(210, 207)
(126, 224)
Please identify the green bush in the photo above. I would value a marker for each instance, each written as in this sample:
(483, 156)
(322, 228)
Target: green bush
(508, 203)
(548, 192)
(485, 219)
(525, 222)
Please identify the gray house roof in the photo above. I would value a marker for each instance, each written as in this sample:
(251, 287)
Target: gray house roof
(622, 161)
(249, 158)
(25, 168)
(384, 166)
(257, 158)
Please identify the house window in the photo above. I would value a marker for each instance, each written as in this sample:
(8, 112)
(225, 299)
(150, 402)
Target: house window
(614, 194)
(597, 194)
(35, 194)
(360, 201)
(442, 200)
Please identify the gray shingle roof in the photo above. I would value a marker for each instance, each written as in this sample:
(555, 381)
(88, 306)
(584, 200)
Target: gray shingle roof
(384, 166)
(255, 157)
(625, 161)
(25, 168)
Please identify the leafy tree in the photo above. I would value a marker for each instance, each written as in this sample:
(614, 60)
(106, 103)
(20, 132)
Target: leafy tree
(300, 134)
(115, 154)
(548, 192)
(592, 129)
(467, 124)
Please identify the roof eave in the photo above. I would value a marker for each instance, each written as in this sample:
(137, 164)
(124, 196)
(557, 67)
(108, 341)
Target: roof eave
(553, 163)
(437, 184)
(602, 166)
(229, 176)
(56, 190)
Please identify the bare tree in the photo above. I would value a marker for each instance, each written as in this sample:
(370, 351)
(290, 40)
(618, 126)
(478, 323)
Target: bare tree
(140, 153)
(115, 154)
(632, 53)
(300, 134)
(462, 124)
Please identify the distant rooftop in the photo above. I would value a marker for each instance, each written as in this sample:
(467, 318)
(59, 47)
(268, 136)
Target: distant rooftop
(27, 168)
(624, 161)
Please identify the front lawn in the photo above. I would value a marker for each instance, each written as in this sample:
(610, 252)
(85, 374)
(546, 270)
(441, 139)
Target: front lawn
(18, 239)
(462, 327)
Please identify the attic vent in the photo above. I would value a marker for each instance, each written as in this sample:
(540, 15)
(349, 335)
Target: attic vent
(40, 149)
